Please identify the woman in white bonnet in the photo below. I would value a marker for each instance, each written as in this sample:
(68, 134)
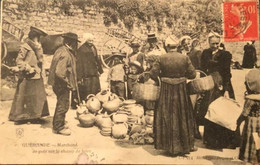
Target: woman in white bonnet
(88, 67)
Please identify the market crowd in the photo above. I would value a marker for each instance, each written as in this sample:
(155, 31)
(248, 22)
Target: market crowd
(176, 117)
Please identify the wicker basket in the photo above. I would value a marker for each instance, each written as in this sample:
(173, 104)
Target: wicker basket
(200, 85)
(147, 92)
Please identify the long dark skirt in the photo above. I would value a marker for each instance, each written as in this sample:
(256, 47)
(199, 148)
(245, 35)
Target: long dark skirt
(174, 122)
(248, 150)
(216, 136)
(30, 100)
(90, 85)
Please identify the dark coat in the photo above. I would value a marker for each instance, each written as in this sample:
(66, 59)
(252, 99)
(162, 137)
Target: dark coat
(27, 59)
(63, 67)
(216, 136)
(249, 58)
(176, 65)
(195, 57)
(219, 63)
(88, 63)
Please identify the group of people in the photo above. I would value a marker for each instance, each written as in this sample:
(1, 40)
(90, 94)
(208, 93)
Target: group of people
(176, 120)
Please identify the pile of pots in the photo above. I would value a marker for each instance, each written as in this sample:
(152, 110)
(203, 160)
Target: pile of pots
(114, 116)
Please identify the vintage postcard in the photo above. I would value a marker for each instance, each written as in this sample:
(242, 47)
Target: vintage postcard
(130, 82)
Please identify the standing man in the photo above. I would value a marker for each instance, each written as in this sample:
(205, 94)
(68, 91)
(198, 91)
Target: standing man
(136, 55)
(89, 67)
(63, 80)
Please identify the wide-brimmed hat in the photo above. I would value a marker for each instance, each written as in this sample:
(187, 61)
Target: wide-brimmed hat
(172, 40)
(137, 64)
(151, 37)
(70, 35)
(253, 80)
(134, 44)
(39, 31)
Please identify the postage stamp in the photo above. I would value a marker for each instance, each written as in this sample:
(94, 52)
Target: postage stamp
(240, 21)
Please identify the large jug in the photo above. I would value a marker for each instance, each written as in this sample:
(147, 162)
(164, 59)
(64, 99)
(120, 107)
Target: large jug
(93, 103)
(119, 131)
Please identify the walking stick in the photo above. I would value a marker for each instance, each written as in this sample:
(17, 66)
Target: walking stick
(126, 69)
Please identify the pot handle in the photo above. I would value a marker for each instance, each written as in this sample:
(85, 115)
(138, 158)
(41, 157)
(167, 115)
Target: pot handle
(112, 114)
(99, 111)
(121, 98)
(126, 125)
(90, 95)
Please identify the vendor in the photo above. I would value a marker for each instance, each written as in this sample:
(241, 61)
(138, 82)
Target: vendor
(174, 119)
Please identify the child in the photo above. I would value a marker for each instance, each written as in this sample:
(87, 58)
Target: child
(135, 70)
(116, 77)
(251, 115)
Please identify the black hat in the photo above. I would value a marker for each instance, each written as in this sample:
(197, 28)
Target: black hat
(70, 35)
(151, 37)
(135, 44)
(41, 32)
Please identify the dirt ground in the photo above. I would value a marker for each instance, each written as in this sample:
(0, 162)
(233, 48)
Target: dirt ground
(35, 143)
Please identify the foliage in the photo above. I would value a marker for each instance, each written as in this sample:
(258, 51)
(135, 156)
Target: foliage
(177, 15)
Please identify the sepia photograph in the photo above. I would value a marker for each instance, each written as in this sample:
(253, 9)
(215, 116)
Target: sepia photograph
(130, 82)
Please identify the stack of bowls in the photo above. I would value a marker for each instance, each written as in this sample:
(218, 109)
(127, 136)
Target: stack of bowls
(106, 126)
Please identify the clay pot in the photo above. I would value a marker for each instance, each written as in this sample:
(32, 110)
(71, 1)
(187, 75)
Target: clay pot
(119, 99)
(149, 117)
(106, 122)
(103, 96)
(111, 105)
(149, 130)
(135, 110)
(136, 128)
(130, 101)
(86, 119)
(93, 103)
(80, 110)
(120, 118)
(99, 118)
(119, 131)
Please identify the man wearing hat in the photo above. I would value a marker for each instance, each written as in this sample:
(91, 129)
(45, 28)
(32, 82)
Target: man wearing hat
(154, 48)
(62, 77)
(136, 55)
(30, 101)
(88, 67)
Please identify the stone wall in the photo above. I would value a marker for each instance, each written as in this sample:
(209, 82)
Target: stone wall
(54, 22)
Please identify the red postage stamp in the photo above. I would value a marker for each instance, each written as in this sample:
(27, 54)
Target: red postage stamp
(240, 21)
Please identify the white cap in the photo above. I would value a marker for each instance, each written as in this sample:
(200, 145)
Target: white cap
(88, 37)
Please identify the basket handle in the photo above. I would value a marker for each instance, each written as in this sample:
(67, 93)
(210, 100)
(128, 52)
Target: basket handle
(159, 81)
(201, 72)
